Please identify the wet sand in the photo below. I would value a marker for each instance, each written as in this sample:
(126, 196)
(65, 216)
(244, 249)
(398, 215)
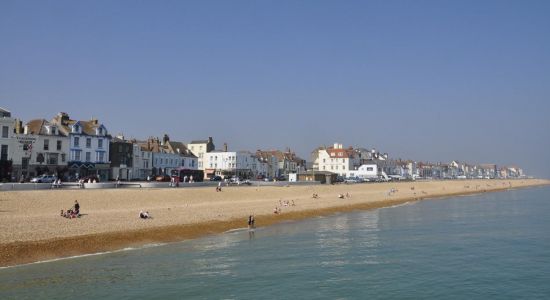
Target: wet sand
(31, 228)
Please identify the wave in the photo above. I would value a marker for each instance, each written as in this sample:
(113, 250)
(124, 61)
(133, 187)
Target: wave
(87, 255)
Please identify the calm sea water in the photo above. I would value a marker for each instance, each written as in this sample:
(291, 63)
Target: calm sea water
(491, 246)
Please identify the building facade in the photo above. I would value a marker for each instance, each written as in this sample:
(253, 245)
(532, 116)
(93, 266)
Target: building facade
(231, 163)
(41, 148)
(6, 145)
(89, 143)
(338, 159)
(199, 149)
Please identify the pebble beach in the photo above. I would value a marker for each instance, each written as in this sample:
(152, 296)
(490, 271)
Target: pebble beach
(31, 228)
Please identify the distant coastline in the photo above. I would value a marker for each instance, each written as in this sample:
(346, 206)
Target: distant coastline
(32, 229)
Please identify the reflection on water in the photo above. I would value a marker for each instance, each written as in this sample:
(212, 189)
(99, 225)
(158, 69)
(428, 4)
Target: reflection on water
(430, 249)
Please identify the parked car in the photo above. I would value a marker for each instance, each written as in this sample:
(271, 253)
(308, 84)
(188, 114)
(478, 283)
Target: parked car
(162, 178)
(44, 179)
(216, 178)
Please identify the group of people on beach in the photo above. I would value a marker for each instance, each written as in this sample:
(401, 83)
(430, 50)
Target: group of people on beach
(73, 212)
(144, 215)
(342, 196)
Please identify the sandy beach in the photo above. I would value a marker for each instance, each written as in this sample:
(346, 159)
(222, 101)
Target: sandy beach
(31, 228)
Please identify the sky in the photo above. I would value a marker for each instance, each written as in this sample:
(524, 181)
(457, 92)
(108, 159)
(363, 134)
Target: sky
(422, 80)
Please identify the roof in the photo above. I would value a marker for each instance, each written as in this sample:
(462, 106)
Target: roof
(5, 113)
(180, 148)
(64, 123)
(38, 126)
(341, 153)
(199, 142)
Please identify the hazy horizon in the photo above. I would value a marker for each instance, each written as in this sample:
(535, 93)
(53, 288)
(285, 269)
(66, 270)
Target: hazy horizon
(427, 80)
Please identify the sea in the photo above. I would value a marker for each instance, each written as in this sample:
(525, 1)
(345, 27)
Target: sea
(484, 246)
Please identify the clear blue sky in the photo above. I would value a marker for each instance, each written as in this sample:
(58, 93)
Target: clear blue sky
(426, 80)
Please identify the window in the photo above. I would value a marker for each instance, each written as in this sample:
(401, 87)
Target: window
(52, 159)
(76, 141)
(88, 156)
(59, 144)
(101, 157)
(324, 160)
(4, 152)
(88, 143)
(369, 169)
(119, 148)
(46, 145)
(100, 143)
(5, 131)
(62, 157)
(24, 163)
(76, 128)
(77, 155)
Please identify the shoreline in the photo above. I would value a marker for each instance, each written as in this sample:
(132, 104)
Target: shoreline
(17, 252)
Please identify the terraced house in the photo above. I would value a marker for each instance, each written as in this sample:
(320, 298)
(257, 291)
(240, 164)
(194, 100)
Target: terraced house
(88, 146)
(40, 148)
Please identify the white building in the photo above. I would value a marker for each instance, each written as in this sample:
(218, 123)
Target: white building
(187, 159)
(199, 149)
(6, 135)
(40, 149)
(164, 162)
(338, 160)
(7, 144)
(88, 147)
(226, 164)
(142, 164)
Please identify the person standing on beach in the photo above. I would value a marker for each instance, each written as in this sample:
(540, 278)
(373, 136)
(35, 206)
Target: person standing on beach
(251, 222)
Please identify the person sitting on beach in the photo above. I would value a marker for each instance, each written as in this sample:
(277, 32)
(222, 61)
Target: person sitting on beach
(276, 210)
(341, 196)
(348, 195)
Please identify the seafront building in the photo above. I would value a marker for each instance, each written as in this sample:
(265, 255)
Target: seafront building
(337, 159)
(230, 163)
(142, 162)
(88, 146)
(7, 145)
(199, 148)
(40, 148)
(121, 155)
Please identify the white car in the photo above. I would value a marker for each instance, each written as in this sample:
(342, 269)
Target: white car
(44, 179)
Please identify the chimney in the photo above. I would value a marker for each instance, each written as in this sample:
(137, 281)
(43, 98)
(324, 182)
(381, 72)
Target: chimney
(18, 129)
(224, 147)
(210, 140)
(63, 118)
(165, 139)
(26, 130)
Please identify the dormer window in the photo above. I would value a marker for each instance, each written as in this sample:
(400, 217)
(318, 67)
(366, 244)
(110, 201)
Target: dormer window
(54, 132)
(76, 128)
